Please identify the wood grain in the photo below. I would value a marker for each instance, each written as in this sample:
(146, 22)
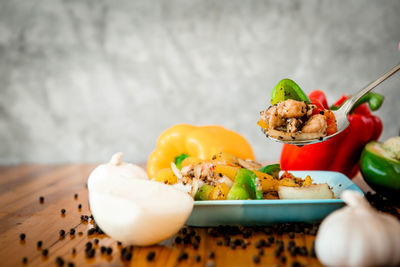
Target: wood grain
(21, 212)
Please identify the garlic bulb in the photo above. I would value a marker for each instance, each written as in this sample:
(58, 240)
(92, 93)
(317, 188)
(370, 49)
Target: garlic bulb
(358, 235)
(118, 168)
(135, 211)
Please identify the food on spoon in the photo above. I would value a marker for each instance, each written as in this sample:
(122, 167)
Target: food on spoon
(182, 142)
(380, 166)
(292, 117)
(130, 208)
(342, 152)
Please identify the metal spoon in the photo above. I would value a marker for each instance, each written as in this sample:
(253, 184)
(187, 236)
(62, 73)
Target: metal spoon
(341, 114)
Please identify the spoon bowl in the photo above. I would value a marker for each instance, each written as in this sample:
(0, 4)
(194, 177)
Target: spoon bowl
(341, 114)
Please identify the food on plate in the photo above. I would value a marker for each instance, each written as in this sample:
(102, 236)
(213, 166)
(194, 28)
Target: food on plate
(316, 191)
(129, 207)
(358, 235)
(380, 166)
(341, 153)
(227, 177)
(185, 142)
(293, 116)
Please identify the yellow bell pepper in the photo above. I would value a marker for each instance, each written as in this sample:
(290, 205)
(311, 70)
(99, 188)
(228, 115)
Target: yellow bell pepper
(196, 141)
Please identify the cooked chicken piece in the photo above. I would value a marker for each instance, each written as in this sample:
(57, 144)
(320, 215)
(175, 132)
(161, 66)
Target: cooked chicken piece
(272, 118)
(316, 124)
(293, 125)
(291, 109)
(310, 110)
(249, 164)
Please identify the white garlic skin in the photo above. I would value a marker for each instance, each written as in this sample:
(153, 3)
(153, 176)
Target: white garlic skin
(132, 209)
(358, 235)
(118, 168)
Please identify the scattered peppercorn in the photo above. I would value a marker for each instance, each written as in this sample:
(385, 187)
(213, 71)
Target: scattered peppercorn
(45, 252)
(178, 240)
(109, 250)
(150, 256)
(219, 242)
(73, 251)
(59, 261)
(72, 231)
(24, 260)
(80, 233)
(283, 259)
(182, 255)
(211, 255)
(76, 196)
(39, 244)
(90, 253)
(88, 245)
(80, 206)
(41, 200)
(63, 211)
(96, 241)
(62, 233)
(119, 243)
(22, 237)
(260, 252)
(71, 264)
(256, 259)
(197, 258)
(91, 231)
(291, 235)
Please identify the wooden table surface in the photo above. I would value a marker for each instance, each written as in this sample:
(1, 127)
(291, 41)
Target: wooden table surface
(21, 212)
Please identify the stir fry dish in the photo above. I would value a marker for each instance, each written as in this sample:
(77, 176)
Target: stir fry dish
(227, 177)
(293, 116)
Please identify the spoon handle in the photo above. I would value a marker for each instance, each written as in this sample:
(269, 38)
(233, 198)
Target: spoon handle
(347, 106)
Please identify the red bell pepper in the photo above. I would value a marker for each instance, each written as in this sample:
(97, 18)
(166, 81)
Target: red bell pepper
(342, 152)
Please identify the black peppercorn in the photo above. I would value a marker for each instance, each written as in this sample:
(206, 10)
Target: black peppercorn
(45, 252)
(211, 255)
(183, 255)
(72, 231)
(150, 256)
(39, 244)
(24, 260)
(59, 261)
(63, 211)
(71, 264)
(109, 250)
(96, 241)
(80, 206)
(41, 200)
(256, 259)
(73, 251)
(22, 236)
(103, 249)
(62, 233)
(76, 196)
(197, 258)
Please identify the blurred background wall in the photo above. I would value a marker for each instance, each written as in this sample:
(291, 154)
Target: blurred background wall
(80, 80)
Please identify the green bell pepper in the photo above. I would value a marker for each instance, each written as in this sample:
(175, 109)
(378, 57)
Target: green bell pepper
(380, 167)
(272, 170)
(288, 89)
(203, 192)
(246, 186)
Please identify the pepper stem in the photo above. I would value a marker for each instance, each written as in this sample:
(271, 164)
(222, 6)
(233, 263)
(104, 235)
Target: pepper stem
(374, 101)
(354, 199)
(116, 159)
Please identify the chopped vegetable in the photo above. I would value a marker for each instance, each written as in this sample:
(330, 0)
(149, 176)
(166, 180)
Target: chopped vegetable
(246, 186)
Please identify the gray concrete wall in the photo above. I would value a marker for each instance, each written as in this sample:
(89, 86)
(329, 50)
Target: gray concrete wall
(80, 80)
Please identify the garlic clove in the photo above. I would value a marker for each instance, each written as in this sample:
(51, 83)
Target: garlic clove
(132, 209)
(358, 235)
(139, 212)
(115, 167)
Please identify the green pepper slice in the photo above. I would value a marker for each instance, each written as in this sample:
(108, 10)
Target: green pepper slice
(203, 192)
(380, 170)
(272, 169)
(288, 89)
(245, 186)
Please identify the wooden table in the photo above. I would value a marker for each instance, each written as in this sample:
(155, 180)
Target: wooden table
(21, 212)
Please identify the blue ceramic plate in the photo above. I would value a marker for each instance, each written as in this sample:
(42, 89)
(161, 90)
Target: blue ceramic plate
(264, 212)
